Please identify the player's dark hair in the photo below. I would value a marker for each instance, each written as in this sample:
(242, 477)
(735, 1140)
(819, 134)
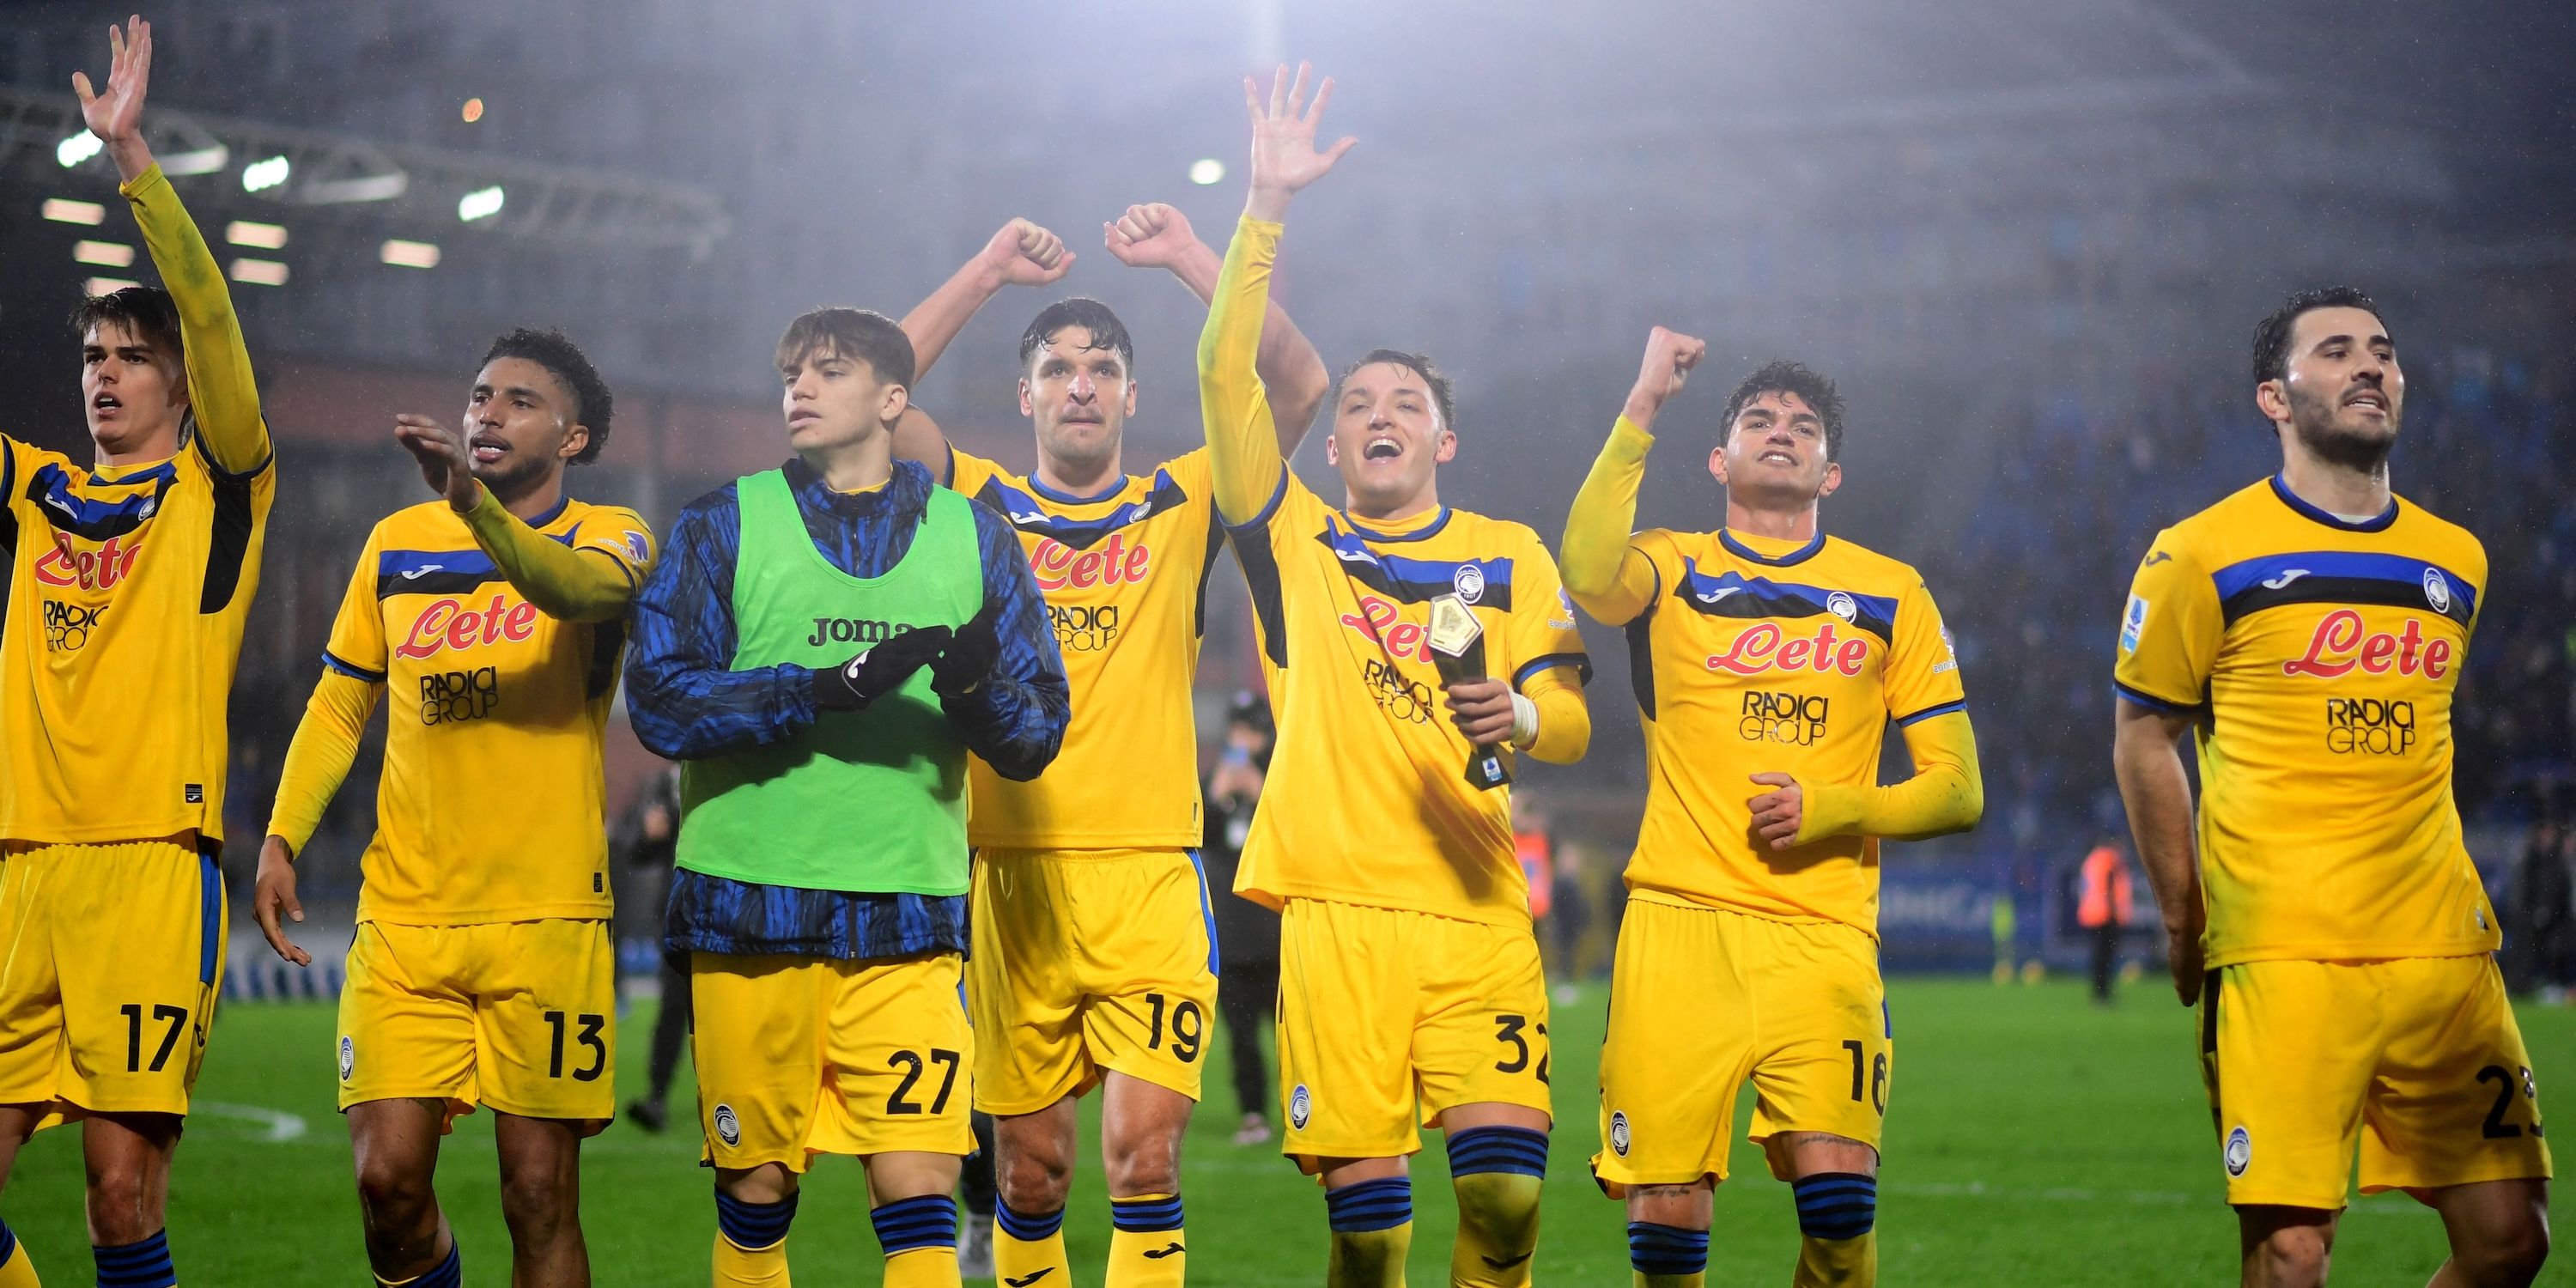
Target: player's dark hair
(145, 311)
(1107, 332)
(2272, 334)
(861, 334)
(1442, 397)
(1784, 377)
(592, 404)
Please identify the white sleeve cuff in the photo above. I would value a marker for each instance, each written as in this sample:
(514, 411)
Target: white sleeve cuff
(1524, 721)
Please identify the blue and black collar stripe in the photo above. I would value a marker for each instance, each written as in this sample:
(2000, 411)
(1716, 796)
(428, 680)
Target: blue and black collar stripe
(2376, 523)
(94, 518)
(1732, 594)
(1029, 516)
(1798, 556)
(1484, 583)
(2342, 577)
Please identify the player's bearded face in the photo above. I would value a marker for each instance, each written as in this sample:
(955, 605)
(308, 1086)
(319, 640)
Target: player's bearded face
(1774, 454)
(832, 401)
(2345, 390)
(518, 425)
(1387, 439)
(1079, 397)
(130, 391)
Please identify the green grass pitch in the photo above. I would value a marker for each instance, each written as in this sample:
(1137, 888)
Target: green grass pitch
(2032, 1139)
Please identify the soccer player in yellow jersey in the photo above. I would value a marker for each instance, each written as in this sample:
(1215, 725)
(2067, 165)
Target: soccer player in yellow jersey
(1094, 957)
(483, 971)
(130, 579)
(2309, 632)
(1769, 661)
(1410, 986)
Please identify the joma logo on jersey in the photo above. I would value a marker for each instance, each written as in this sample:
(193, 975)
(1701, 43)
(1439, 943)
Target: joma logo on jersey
(1083, 628)
(2341, 644)
(854, 630)
(97, 569)
(447, 697)
(448, 623)
(68, 626)
(1380, 620)
(1059, 567)
(1797, 719)
(1764, 647)
(2370, 726)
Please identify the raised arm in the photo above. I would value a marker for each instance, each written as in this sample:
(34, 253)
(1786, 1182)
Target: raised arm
(1158, 236)
(1020, 254)
(220, 388)
(1613, 580)
(592, 583)
(1243, 441)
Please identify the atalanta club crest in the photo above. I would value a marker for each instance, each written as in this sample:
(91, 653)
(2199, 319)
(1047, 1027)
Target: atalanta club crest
(1469, 583)
(1840, 605)
(348, 1057)
(1301, 1106)
(728, 1127)
(2437, 590)
(1619, 1133)
(2240, 1151)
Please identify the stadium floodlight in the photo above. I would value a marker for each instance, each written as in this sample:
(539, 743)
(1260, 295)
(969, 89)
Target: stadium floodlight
(260, 176)
(206, 160)
(64, 210)
(473, 110)
(409, 254)
(78, 148)
(482, 203)
(107, 285)
(104, 254)
(246, 232)
(1206, 171)
(259, 272)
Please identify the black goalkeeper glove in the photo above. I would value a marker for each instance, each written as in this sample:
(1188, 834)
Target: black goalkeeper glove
(879, 671)
(966, 662)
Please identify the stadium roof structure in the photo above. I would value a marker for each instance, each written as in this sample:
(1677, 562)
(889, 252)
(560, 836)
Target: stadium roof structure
(388, 183)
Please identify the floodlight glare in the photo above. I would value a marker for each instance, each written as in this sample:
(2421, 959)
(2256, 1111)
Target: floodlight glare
(104, 254)
(259, 272)
(409, 254)
(107, 285)
(244, 232)
(260, 176)
(482, 203)
(78, 148)
(1206, 170)
(64, 210)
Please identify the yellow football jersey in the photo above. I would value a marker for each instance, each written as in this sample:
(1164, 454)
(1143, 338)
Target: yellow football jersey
(2317, 657)
(1766, 656)
(129, 587)
(1367, 799)
(491, 805)
(1125, 575)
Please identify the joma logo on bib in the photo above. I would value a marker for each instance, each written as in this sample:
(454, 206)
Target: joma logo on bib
(853, 630)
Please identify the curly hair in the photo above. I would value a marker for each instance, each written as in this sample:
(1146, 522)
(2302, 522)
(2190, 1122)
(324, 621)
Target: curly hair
(2272, 334)
(554, 351)
(1107, 332)
(1785, 377)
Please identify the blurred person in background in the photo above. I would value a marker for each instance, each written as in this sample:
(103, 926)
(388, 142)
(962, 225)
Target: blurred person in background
(2544, 907)
(1536, 848)
(648, 835)
(2104, 906)
(1247, 934)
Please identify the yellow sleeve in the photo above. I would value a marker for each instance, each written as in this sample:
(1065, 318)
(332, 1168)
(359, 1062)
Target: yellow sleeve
(1549, 664)
(1243, 442)
(220, 388)
(326, 744)
(967, 472)
(1564, 721)
(590, 582)
(2170, 631)
(1946, 794)
(1922, 672)
(1604, 571)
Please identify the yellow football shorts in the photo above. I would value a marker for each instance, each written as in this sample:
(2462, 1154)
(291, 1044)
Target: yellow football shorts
(518, 1015)
(1389, 1018)
(2419, 1058)
(799, 1056)
(1702, 999)
(107, 990)
(1085, 961)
